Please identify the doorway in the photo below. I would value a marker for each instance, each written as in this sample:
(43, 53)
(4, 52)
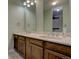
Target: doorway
(57, 19)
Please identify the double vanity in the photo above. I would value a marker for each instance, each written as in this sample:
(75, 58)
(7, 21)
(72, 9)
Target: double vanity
(36, 46)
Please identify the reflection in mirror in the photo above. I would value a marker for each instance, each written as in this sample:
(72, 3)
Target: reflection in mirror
(30, 15)
(57, 19)
(57, 16)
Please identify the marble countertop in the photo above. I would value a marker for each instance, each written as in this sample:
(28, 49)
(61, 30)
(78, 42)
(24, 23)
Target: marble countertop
(57, 39)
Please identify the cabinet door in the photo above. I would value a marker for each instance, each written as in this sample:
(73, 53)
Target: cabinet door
(48, 54)
(16, 43)
(21, 47)
(36, 52)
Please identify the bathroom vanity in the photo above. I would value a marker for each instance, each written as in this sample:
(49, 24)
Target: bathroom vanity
(36, 47)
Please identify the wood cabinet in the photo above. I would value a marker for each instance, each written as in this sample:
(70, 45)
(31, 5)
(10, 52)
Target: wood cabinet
(21, 47)
(36, 52)
(63, 49)
(16, 42)
(56, 51)
(36, 49)
(32, 48)
(48, 54)
(19, 44)
(36, 42)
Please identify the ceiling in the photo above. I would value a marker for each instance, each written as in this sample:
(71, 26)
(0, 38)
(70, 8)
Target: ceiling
(16, 2)
(47, 3)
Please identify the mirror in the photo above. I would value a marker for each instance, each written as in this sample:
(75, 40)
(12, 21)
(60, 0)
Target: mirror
(57, 16)
(48, 16)
(30, 15)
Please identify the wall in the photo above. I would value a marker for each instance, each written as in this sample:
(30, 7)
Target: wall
(66, 19)
(48, 20)
(15, 20)
(39, 15)
(30, 17)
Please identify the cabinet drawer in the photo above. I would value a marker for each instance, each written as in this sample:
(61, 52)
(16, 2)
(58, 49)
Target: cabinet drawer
(21, 38)
(48, 54)
(15, 36)
(66, 50)
(36, 42)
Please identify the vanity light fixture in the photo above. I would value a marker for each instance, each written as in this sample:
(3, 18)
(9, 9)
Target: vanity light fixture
(24, 4)
(28, 5)
(28, 1)
(54, 3)
(32, 3)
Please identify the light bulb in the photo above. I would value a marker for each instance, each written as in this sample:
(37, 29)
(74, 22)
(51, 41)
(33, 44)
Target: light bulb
(24, 3)
(28, 5)
(32, 3)
(58, 9)
(54, 3)
(35, 1)
(28, 1)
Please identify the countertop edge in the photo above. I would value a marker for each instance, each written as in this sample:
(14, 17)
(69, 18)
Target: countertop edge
(44, 39)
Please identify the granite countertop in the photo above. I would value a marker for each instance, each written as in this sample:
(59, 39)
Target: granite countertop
(61, 40)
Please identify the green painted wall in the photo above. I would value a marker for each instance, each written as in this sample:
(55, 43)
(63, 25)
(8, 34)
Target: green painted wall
(67, 17)
(47, 20)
